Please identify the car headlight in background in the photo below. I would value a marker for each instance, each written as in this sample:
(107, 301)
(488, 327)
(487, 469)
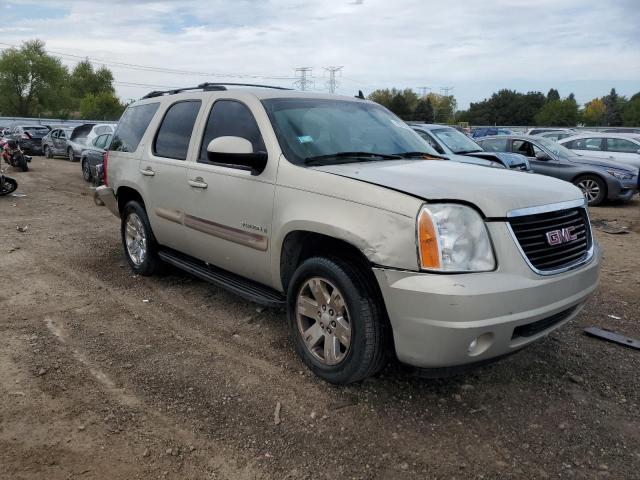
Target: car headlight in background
(620, 174)
(453, 238)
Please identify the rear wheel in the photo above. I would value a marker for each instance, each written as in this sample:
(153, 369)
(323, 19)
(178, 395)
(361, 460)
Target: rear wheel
(593, 188)
(9, 185)
(139, 243)
(86, 170)
(47, 152)
(336, 320)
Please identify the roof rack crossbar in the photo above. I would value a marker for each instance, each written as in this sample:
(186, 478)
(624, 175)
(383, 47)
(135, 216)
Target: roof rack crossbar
(209, 86)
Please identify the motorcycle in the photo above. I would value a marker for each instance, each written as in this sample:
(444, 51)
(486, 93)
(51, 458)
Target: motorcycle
(7, 184)
(14, 156)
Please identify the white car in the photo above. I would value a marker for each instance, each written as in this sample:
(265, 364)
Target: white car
(612, 146)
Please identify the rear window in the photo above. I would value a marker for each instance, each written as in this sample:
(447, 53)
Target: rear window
(495, 145)
(133, 124)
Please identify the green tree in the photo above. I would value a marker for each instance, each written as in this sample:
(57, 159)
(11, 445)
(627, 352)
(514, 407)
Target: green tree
(631, 112)
(558, 113)
(444, 107)
(424, 111)
(553, 95)
(614, 104)
(30, 80)
(84, 79)
(382, 96)
(506, 107)
(594, 113)
(400, 106)
(101, 106)
(400, 102)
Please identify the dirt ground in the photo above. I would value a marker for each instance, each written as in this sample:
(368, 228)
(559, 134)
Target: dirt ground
(108, 375)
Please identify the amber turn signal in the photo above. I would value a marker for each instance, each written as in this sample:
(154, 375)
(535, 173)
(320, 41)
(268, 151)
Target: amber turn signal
(428, 242)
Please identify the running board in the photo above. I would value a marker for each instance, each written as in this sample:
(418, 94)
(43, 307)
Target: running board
(241, 286)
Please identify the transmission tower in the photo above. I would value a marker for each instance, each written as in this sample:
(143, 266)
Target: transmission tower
(303, 82)
(332, 83)
(424, 90)
(445, 90)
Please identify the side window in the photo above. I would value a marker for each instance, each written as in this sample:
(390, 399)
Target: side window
(593, 144)
(495, 145)
(100, 141)
(436, 146)
(621, 145)
(133, 124)
(61, 134)
(570, 145)
(234, 119)
(523, 148)
(55, 133)
(174, 134)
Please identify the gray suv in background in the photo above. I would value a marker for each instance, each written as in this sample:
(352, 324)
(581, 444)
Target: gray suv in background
(599, 179)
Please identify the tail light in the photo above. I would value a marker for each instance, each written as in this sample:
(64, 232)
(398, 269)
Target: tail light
(105, 160)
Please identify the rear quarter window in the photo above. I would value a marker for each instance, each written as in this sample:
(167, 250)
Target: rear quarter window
(132, 126)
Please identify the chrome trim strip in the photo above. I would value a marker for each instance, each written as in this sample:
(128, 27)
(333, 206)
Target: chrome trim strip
(171, 215)
(588, 256)
(235, 235)
(552, 207)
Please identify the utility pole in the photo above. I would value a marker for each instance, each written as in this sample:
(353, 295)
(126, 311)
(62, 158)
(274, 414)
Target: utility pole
(332, 83)
(445, 90)
(445, 93)
(303, 82)
(424, 90)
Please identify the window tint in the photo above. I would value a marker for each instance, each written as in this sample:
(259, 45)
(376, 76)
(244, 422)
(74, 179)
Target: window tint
(133, 124)
(234, 119)
(523, 148)
(588, 144)
(621, 145)
(61, 134)
(100, 141)
(571, 144)
(495, 145)
(174, 134)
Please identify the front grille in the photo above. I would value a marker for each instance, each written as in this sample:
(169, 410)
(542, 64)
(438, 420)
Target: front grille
(531, 233)
(531, 329)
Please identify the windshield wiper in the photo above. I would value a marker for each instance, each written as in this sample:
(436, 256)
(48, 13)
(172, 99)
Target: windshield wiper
(355, 155)
(416, 154)
(464, 152)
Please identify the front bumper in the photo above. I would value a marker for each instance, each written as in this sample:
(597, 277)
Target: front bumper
(436, 318)
(622, 190)
(103, 196)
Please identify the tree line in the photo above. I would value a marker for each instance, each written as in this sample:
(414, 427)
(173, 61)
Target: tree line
(34, 83)
(509, 107)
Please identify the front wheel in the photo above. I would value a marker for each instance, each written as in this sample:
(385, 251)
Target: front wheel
(47, 152)
(593, 188)
(70, 155)
(139, 243)
(336, 320)
(86, 170)
(8, 186)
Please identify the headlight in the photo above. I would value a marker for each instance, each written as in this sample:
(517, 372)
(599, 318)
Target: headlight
(453, 238)
(621, 175)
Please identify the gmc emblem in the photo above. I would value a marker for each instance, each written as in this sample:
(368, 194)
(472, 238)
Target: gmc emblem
(560, 236)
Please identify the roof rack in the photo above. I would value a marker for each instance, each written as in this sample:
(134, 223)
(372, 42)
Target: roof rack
(209, 86)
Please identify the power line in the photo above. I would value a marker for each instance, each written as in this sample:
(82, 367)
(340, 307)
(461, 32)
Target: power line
(445, 90)
(303, 82)
(332, 82)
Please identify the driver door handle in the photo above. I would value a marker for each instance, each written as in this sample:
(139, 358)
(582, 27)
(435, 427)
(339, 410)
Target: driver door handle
(197, 182)
(148, 172)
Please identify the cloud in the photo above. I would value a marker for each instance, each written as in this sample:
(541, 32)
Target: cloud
(477, 47)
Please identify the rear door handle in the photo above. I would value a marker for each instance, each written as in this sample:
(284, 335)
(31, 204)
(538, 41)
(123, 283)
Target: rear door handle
(198, 182)
(148, 172)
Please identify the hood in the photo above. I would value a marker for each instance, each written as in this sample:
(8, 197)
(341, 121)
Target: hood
(495, 191)
(603, 162)
(484, 162)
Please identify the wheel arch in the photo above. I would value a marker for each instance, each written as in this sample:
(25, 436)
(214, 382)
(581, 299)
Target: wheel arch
(126, 194)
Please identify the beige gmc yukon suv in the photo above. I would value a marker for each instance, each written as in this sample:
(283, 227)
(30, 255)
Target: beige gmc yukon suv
(334, 208)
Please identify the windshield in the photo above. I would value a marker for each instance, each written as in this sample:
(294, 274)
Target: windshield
(456, 141)
(308, 128)
(38, 130)
(556, 148)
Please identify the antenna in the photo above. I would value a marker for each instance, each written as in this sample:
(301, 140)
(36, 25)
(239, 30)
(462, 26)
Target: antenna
(332, 82)
(303, 82)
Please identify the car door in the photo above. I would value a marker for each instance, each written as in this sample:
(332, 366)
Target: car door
(60, 142)
(229, 209)
(622, 149)
(93, 154)
(163, 172)
(544, 166)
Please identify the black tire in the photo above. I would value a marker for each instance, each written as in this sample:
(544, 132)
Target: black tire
(10, 186)
(151, 262)
(366, 355)
(70, 155)
(584, 181)
(86, 170)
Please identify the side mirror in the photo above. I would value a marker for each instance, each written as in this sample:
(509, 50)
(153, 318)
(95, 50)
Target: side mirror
(236, 151)
(638, 152)
(540, 155)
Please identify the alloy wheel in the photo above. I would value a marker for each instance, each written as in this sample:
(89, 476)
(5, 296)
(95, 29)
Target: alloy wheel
(323, 321)
(135, 239)
(590, 189)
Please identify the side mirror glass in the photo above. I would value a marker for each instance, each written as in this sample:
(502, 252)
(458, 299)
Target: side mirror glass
(236, 151)
(540, 155)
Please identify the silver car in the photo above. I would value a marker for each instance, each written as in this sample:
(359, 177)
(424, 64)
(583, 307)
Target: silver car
(70, 142)
(623, 148)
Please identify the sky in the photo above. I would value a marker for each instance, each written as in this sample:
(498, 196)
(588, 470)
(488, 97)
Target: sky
(584, 47)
